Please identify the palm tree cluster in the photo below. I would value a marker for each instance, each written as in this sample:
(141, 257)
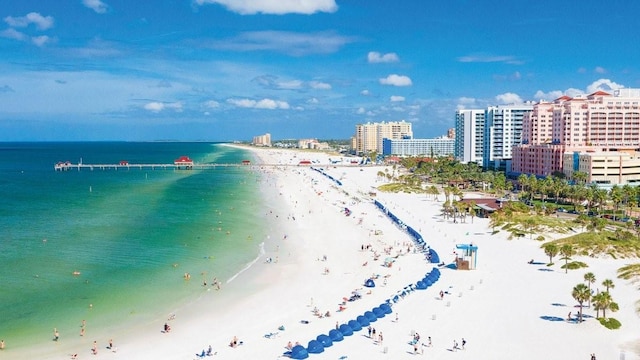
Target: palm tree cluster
(581, 196)
(601, 300)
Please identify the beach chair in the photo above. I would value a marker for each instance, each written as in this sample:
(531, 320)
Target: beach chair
(201, 355)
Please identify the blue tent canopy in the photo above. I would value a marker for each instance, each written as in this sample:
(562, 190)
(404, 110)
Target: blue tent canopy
(386, 308)
(370, 316)
(378, 312)
(315, 347)
(420, 285)
(354, 325)
(325, 340)
(362, 320)
(335, 335)
(369, 283)
(299, 352)
(346, 330)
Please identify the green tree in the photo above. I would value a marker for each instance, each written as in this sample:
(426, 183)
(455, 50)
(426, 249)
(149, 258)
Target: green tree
(551, 250)
(566, 251)
(608, 284)
(581, 294)
(589, 278)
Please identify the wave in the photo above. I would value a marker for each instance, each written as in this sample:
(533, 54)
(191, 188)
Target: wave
(261, 253)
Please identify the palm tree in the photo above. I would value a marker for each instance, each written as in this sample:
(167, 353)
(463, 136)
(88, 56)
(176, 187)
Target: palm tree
(551, 250)
(598, 302)
(472, 210)
(580, 177)
(616, 195)
(603, 301)
(608, 284)
(566, 251)
(581, 294)
(589, 278)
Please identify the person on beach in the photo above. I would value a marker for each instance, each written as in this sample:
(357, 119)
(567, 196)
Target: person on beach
(463, 343)
(289, 345)
(110, 344)
(82, 331)
(369, 329)
(569, 316)
(455, 345)
(1, 344)
(441, 294)
(429, 341)
(56, 334)
(94, 348)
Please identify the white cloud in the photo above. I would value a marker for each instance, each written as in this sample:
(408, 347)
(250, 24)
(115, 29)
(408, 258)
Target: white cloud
(156, 106)
(291, 43)
(290, 85)
(278, 7)
(548, 96)
(365, 92)
(360, 110)
(376, 57)
(487, 58)
(509, 98)
(260, 104)
(319, 85)
(396, 80)
(41, 22)
(212, 104)
(14, 34)
(396, 98)
(96, 5)
(313, 101)
(600, 70)
(604, 85)
(40, 40)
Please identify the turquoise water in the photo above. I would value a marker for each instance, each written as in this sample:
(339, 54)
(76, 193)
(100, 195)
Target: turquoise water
(131, 234)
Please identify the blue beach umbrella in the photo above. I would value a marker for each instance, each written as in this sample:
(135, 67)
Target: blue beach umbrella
(346, 330)
(386, 308)
(325, 340)
(335, 335)
(378, 312)
(363, 320)
(354, 325)
(420, 285)
(371, 316)
(299, 352)
(315, 347)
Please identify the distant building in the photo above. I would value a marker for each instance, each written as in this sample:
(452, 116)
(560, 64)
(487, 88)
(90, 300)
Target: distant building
(451, 133)
(312, 144)
(502, 131)
(604, 168)
(369, 136)
(586, 124)
(262, 140)
(469, 135)
(442, 146)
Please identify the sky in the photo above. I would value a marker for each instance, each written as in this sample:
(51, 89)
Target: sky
(225, 70)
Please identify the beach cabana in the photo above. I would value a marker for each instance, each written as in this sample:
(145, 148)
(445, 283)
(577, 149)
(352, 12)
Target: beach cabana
(369, 283)
(371, 316)
(354, 325)
(362, 320)
(378, 312)
(315, 347)
(325, 340)
(345, 330)
(467, 256)
(299, 352)
(386, 308)
(335, 335)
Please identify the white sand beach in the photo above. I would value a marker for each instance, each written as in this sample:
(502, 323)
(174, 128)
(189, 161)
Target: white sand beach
(504, 308)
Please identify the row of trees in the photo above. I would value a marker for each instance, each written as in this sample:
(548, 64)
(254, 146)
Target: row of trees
(601, 301)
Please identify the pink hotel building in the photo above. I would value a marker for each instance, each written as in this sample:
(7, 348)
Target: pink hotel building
(594, 123)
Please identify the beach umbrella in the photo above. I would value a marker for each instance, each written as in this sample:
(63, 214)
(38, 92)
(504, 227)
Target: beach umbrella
(370, 316)
(420, 285)
(299, 352)
(335, 335)
(325, 340)
(369, 283)
(378, 312)
(315, 347)
(386, 308)
(346, 330)
(427, 281)
(354, 325)
(362, 320)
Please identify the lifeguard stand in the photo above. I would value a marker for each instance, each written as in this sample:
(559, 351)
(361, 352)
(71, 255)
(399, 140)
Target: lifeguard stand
(467, 256)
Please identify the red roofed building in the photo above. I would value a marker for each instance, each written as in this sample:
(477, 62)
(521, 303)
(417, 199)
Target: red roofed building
(183, 161)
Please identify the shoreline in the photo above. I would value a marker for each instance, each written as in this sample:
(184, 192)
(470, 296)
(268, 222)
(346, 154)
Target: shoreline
(505, 307)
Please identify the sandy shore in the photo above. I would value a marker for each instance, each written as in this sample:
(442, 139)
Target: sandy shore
(504, 308)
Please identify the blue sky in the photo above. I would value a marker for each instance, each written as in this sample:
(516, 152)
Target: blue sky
(222, 70)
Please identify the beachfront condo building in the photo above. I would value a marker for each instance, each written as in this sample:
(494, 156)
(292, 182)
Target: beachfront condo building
(262, 140)
(605, 168)
(469, 132)
(502, 131)
(369, 136)
(442, 146)
(569, 127)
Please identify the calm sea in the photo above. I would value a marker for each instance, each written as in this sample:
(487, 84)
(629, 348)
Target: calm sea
(130, 234)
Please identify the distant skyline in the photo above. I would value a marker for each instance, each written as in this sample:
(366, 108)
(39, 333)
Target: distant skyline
(223, 70)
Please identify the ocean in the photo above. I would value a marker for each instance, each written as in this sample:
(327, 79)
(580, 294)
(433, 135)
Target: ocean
(128, 235)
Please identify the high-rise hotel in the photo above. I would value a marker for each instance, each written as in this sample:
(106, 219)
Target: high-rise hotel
(369, 136)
